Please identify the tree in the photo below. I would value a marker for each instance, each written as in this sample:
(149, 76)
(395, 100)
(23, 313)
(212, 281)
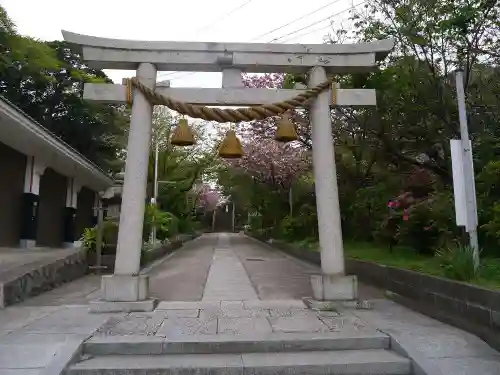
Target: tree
(273, 163)
(378, 150)
(21, 57)
(46, 81)
(416, 113)
(181, 168)
(261, 180)
(266, 128)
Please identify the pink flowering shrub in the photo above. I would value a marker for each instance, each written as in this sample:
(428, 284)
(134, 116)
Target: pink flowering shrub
(411, 217)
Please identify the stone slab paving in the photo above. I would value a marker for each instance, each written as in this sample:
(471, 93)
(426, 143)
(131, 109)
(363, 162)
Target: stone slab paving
(34, 339)
(276, 275)
(207, 308)
(227, 279)
(437, 348)
(183, 276)
(177, 320)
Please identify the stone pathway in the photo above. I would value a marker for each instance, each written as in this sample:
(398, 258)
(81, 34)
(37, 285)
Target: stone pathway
(40, 340)
(177, 320)
(437, 348)
(227, 279)
(226, 286)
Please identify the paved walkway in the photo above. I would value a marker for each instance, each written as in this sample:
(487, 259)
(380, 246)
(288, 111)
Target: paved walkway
(226, 285)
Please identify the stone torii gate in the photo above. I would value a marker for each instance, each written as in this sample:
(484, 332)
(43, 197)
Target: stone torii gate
(126, 290)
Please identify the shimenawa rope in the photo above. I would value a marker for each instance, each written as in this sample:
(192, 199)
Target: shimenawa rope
(260, 112)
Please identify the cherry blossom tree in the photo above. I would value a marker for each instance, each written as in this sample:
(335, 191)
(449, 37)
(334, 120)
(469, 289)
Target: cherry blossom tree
(207, 198)
(273, 163)
(266, 128)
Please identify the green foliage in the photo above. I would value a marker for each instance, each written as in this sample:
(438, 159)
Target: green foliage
(109, 236)
(46, 81)
(364, 210)
(166, 223)
(255, 222)
(89, 239)
(188, 224)
(488, 189)
(458, 263)
(180, 169)
(399, 150)
(300, 227)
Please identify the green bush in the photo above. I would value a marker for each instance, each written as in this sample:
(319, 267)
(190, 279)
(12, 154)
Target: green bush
(424, 225)
(293, 228)
(364, 211)
(167, 224)
(109, 236)
(188, 224)
(420, 231)
(255, 222)
(488, 195)
(302, 225)
(458, 263)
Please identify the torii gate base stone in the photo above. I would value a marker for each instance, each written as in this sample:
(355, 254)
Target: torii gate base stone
(126, 289)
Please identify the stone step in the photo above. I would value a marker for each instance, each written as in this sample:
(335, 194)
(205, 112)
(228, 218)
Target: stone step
(344, 362)
(220, 344)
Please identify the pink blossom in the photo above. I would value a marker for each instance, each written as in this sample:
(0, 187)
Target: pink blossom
(208, 199)
(393, 204)
(272, 162)
(266, 128)
(406, 215)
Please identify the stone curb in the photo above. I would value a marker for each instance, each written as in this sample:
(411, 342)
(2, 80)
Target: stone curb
(418, 363)
(362, 362)
(68, 353)
(230, 344)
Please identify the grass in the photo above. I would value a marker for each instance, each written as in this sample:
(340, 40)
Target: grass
(406, 258)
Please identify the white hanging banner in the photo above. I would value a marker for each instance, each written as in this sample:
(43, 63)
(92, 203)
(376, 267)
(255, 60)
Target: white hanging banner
(457, 161)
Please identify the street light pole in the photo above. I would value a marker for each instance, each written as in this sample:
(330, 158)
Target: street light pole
(470, 198)
(155, 193)
(233, 217)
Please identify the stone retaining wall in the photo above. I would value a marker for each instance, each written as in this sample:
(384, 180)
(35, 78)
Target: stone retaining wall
(34, 279)
(466, 306)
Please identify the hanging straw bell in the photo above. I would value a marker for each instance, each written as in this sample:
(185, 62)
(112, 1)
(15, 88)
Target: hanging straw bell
(286, 129)
(183, 135)
(230, 147)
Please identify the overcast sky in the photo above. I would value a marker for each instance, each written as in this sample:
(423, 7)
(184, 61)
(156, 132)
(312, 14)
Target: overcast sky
(185, 20)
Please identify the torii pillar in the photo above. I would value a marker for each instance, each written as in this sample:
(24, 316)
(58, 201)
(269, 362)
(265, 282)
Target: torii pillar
(332, 284)
(126, 289)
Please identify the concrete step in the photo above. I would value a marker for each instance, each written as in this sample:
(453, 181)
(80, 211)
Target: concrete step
(220, 344)
(343, 362)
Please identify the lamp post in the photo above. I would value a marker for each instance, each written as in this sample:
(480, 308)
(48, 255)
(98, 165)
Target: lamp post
(154, 198)
(232, 215)
(152, 237)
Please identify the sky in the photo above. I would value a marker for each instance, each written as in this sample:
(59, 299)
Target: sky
(260, 21)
